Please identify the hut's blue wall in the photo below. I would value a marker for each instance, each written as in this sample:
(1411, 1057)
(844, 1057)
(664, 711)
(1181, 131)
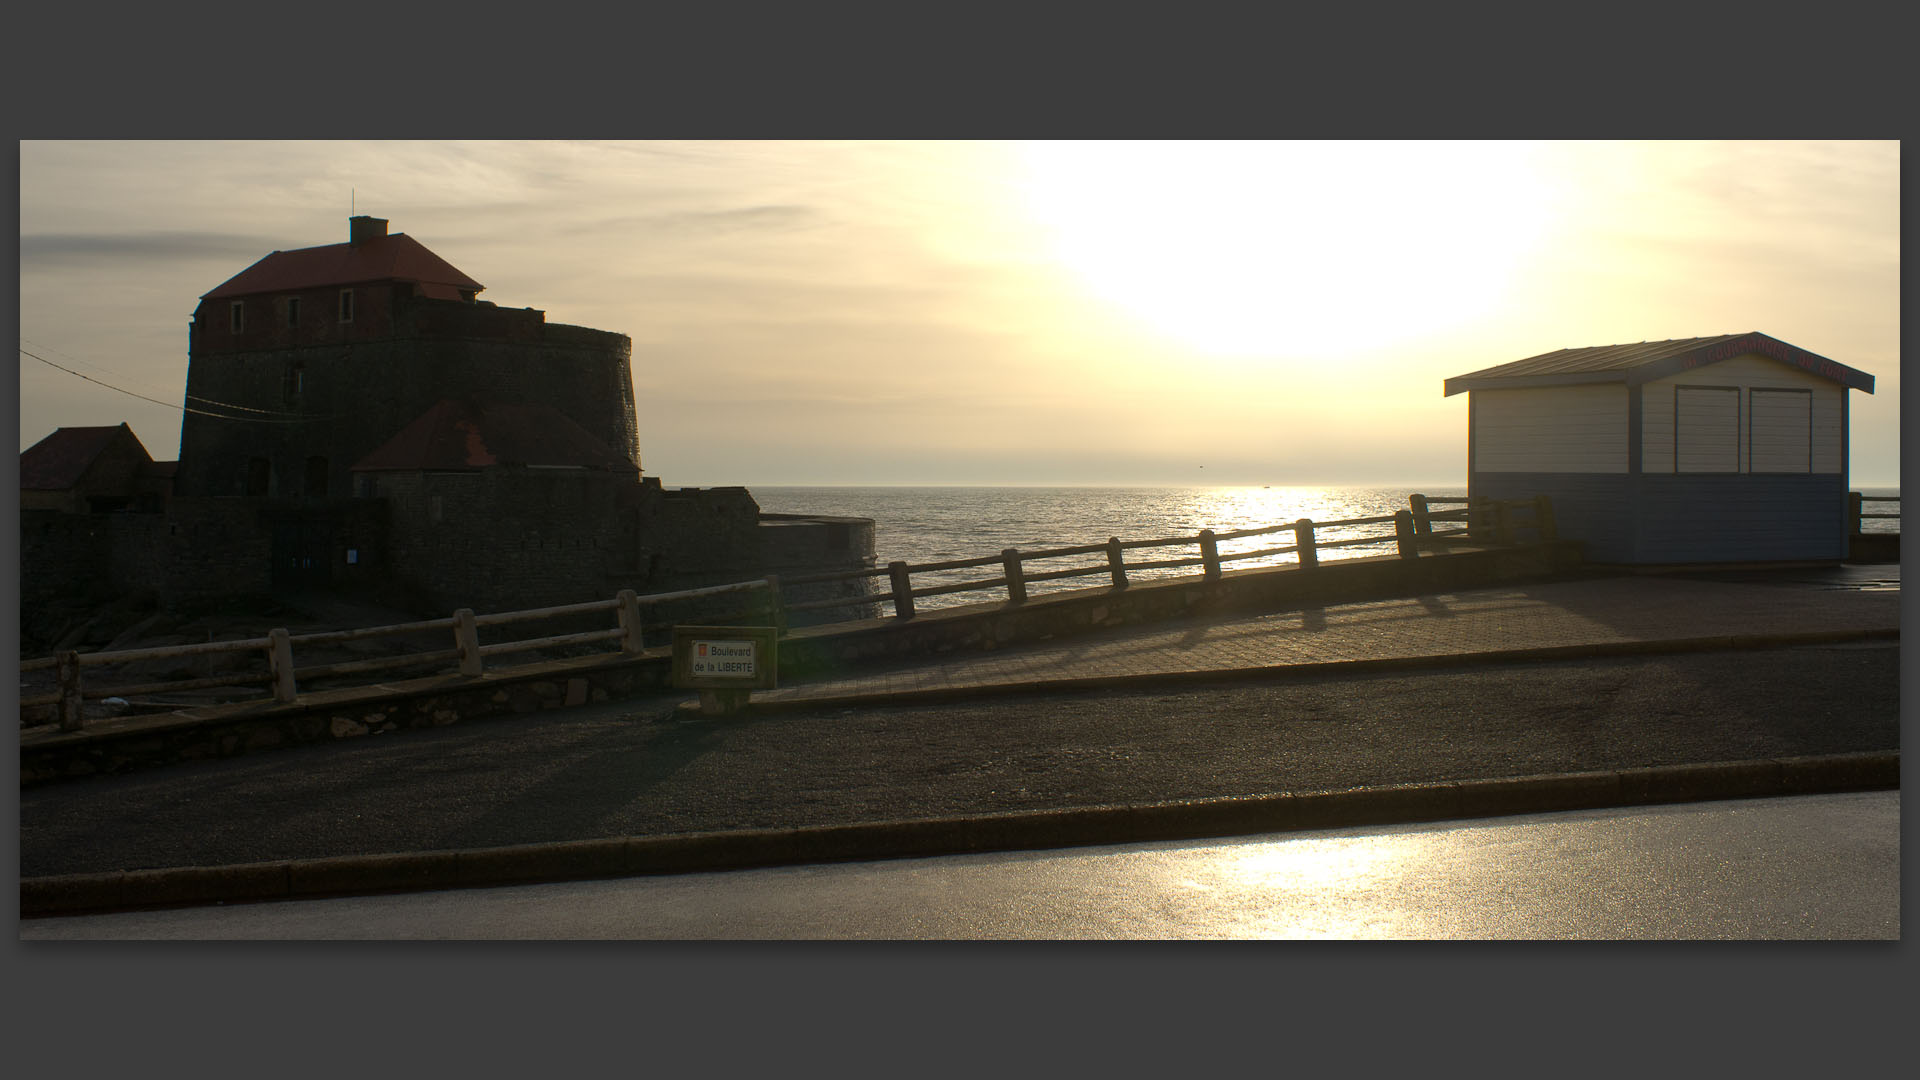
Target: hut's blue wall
(1595, 508)
(1698, 518)
(1740, 518)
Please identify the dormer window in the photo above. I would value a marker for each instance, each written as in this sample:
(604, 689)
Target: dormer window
(238, 313)
(293, 311)
(346, 305)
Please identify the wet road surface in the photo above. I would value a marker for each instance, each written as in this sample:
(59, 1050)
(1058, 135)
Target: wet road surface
(1811, 867)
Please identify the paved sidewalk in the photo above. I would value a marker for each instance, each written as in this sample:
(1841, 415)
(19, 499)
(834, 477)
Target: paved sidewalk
(1610, 611)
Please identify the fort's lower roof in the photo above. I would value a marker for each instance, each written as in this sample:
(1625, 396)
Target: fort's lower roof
(467, 435)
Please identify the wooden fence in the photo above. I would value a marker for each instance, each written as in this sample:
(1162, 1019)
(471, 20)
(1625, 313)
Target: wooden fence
(1856, 505)
(1407, 531)
(1421, 526)
(467, 654)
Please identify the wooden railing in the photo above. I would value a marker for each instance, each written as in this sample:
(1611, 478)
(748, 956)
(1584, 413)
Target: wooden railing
(1497, 522)
(1407, 531)
(1856, 505)
(467, 654)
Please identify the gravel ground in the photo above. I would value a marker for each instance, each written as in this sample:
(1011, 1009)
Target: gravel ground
(634, 768)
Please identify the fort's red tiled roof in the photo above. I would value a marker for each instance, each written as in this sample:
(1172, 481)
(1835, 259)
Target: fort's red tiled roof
(398, 257)
(57, 462)
(464, 435)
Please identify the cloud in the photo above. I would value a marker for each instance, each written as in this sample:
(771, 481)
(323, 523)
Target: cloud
(51, 249)
(742, 219)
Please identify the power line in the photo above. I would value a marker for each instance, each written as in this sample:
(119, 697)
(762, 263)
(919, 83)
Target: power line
(197, 412)
(99, 369)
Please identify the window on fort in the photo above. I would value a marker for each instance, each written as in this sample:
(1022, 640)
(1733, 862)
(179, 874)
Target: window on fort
(293, 311)
(316, 476)
(294, 383)
(238, 312)
(346, 305)
(259, 474)
(1706, 429)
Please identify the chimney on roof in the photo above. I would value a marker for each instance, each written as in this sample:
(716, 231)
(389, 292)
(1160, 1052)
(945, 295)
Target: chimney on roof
(363, 228)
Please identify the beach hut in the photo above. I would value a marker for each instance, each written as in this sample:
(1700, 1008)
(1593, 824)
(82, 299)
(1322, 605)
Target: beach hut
(1700, 450)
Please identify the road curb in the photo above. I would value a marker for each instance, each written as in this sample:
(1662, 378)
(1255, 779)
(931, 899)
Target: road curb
(79, 894)
(1371, 665)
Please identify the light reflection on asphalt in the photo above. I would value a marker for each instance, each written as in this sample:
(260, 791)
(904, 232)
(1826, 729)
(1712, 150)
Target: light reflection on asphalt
(1812, 867)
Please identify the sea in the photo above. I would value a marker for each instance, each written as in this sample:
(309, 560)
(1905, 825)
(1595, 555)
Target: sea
(938, 524)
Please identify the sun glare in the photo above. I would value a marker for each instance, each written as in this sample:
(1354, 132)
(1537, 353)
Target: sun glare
(1289, 249)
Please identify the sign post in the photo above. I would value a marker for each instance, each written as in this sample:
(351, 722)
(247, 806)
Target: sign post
(725, 663)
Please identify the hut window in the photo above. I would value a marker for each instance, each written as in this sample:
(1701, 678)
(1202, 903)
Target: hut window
(293, 311)
(237, 312)
(1780, 431)
(346, 305)
(1706, 429)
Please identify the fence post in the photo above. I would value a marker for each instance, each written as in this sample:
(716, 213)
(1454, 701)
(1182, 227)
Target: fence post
(776, 611)
(466, 638)
(1116, 563)
(280, 654)
(1422, 517)
(1403, 532)
(632, 639)
(1854, 508)
(1308, 555)
(902, 590)
(1543, 519)
(1503, 523)
(68, 670)
(1016, 580)
(1209, 555)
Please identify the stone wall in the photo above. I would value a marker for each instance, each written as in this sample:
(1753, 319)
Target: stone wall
(203, 552)
(502, 539)
(796, 545)
(357, 394)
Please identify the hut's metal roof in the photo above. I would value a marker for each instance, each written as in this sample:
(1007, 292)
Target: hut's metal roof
(1649, 360)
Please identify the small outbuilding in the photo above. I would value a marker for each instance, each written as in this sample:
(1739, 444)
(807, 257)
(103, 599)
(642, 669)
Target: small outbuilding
(81, 470)
(1698, 450)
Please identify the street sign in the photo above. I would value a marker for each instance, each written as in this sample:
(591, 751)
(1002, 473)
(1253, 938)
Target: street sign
(724, 657)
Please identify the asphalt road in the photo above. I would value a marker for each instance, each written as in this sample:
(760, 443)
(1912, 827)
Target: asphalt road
(635, 769)
(1811, 867)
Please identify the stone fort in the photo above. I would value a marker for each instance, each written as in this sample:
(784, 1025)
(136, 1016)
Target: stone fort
(356, 419)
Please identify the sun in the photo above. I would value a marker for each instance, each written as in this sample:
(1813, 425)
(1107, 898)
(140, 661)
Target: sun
(1284, 248)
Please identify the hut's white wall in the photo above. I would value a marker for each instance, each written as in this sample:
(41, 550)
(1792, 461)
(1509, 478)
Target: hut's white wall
(1761, 444)
(1554, 429)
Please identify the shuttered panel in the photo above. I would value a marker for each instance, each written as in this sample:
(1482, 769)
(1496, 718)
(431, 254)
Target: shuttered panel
(1706, 429)
(1750, 372)
(1570, 429)
(1781, 431)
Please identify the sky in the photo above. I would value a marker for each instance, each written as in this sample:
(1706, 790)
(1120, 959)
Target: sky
(1129, 313)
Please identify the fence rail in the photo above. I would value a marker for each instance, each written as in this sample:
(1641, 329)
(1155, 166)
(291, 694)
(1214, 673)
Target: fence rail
(1408, 531)
(276, 649)
(1856, 504)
